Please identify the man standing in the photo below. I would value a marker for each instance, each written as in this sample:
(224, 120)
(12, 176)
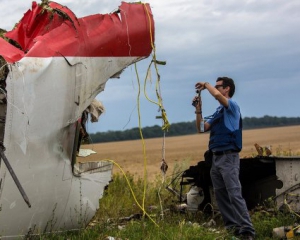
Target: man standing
(225, 142)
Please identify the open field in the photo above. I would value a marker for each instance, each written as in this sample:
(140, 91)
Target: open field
(187, 150)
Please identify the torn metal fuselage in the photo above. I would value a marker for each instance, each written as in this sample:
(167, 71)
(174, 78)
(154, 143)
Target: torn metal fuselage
(56, 66)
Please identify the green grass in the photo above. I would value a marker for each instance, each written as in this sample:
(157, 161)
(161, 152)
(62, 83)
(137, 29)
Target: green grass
(121, 215)
(162, 220)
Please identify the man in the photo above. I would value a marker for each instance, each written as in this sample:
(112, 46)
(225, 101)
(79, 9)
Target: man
(225, 142)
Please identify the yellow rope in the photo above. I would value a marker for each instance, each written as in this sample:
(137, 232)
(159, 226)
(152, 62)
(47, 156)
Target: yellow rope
(131, 190)
(141, 134)
(166, 124)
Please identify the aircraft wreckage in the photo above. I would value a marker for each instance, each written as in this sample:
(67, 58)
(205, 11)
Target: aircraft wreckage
(53, 65)
(263, 177)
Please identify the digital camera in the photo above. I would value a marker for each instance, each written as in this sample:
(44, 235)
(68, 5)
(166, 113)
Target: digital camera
(195, 102)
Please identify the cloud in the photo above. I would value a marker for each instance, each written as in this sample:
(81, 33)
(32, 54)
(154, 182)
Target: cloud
(254, 42)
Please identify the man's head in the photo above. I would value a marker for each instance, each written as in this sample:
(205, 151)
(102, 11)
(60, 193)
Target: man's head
(227, 82)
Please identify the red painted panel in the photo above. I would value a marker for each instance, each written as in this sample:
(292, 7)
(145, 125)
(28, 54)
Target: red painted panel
(58, 32)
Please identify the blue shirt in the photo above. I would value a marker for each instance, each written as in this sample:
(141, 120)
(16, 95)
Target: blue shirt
(231, 118)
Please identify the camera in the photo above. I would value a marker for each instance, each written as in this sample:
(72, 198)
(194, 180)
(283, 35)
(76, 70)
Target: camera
(195, 102)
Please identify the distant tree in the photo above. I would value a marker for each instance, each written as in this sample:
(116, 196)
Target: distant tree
(185, 128)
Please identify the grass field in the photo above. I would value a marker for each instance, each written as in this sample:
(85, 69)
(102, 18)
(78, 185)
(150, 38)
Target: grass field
(187, 150)
(118, 201)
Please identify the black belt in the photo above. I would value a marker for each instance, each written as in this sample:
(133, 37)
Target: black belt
(218, 153)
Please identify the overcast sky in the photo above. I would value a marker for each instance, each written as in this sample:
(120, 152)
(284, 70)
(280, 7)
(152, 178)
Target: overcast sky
(255, 42)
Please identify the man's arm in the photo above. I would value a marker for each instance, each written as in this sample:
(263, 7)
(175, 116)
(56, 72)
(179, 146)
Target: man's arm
(198, 113)
(213, 91)
(199, 118)
(198, 121)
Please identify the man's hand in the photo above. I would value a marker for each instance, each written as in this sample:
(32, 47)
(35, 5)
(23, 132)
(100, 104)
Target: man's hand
(197, 103)
(200, 85)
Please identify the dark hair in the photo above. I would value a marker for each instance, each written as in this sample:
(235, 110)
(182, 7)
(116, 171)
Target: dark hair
(227, 82)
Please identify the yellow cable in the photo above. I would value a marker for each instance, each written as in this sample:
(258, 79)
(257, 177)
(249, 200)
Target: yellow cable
(150, 25)
(166, 124)
(131, 190)
(165, 127)
(141, 134)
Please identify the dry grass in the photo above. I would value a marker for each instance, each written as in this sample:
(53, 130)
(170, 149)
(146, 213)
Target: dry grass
(187, 149)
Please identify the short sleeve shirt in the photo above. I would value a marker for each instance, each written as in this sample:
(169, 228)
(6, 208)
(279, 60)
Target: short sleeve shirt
(231, 115)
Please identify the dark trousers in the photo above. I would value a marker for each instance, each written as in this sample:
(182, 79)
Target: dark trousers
(225, 178)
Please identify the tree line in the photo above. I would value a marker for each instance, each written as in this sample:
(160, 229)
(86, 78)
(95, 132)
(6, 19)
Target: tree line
(186, 128)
